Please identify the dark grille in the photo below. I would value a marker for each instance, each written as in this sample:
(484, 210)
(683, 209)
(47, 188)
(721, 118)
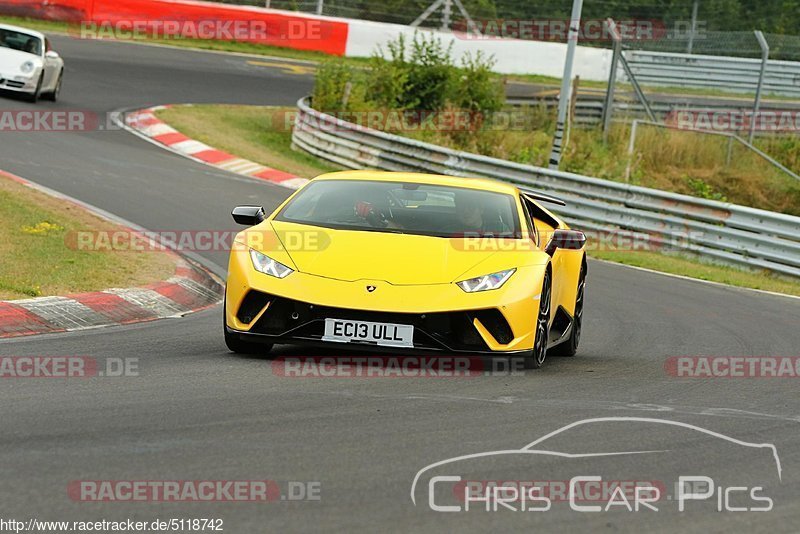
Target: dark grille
(448, 330)
(17, 85)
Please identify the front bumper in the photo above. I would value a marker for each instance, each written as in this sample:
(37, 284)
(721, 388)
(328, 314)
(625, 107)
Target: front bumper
(362, 347)
(445, 318)
(18, 84)
(279, 320)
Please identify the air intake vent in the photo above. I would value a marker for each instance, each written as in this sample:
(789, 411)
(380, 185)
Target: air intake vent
(494, 321)
(252, 304)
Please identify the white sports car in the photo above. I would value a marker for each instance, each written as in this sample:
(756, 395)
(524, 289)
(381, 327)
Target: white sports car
(28, 64)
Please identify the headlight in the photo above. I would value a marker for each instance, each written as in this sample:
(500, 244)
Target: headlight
(27, 67)
(486, 283)
(265, 264)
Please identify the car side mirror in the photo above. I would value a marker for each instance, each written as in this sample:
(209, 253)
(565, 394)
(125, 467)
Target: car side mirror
(566, 240)
(248, 215)
(51, 54)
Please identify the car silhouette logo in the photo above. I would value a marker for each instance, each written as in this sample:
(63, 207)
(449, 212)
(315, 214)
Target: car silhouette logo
(370, 289)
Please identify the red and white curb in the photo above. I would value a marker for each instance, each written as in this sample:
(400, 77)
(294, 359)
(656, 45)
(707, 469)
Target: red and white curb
(187, 291)
(191, 289)
(145, 123)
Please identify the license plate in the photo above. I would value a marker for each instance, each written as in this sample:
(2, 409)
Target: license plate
(383, 334)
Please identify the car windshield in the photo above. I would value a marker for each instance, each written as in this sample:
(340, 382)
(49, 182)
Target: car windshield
(406, 208)
(20, 41)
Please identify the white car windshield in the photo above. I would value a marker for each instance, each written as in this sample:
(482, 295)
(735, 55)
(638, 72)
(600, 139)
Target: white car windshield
(20, 41)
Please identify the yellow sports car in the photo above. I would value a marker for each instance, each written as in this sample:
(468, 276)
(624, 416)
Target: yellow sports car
(407, 262)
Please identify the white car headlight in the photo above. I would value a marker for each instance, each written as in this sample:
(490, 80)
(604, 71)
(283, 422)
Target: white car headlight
(486, 283)
(27, 67)
(265, 264)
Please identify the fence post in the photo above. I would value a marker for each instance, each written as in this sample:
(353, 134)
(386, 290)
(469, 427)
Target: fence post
(471, 26)
(427, 13)
(729, 156)
(764, 60)
(320, 5)
(694, 27)
(608, 108)
(637, 88)
(446, 10)
(563, 101)
(631, 148)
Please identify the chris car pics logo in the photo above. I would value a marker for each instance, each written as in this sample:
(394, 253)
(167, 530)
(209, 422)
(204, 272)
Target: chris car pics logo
(586, 487)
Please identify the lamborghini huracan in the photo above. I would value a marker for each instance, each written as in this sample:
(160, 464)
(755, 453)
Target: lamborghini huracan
(407, 262)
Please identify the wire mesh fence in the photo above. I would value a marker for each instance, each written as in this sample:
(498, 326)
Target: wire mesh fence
(721, 43)
(711, 27)
(783, 46)
(702, 42)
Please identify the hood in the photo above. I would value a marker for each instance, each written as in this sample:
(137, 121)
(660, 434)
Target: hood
(12, 60)
(399, 259)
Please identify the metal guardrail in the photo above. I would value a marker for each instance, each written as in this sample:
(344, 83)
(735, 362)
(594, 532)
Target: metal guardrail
(719, 231)
(714, 72)
(589, 107)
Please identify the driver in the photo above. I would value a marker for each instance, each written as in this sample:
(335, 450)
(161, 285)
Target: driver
(376, 217)
(475, 216)
(373, 207)
(32, 46)
(470, 215)
(469, 212)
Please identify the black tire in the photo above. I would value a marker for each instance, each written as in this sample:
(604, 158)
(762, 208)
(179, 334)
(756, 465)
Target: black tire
(235, 344)
(570, 347)
(34, 97)
(53, 97)
(536, 357)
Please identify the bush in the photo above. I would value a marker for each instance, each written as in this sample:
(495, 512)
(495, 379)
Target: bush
(388, 80)
(337, 87)
(477, 88)
(417, 76)
(430, 75)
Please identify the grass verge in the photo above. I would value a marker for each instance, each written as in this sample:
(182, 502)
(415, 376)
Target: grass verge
(254, 133)
(37, 260)
(260, 134)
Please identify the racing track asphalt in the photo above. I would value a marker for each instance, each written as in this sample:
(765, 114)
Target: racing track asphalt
(199, 412)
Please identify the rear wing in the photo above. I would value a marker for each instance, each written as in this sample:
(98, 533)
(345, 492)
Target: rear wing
(538, 211)
(537, 195)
